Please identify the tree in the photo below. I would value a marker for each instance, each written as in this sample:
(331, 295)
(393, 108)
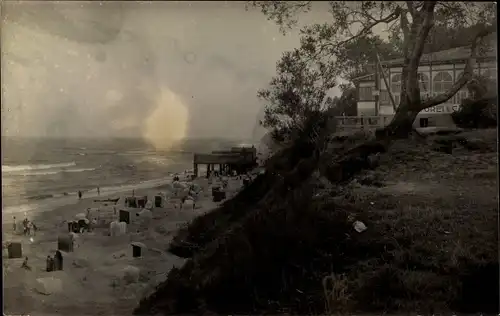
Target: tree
(358, 54)
(480, 109)
(443, 36)
(346, 104)
(296, 93)
(327, 44)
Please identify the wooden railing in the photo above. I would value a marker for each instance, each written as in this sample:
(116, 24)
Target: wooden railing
(362, 122)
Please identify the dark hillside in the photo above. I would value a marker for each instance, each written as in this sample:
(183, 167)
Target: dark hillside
(431, 238)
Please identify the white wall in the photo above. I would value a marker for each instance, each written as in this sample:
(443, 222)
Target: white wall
(363, 105)
(366, 108)
(386, 110)
(367, 84)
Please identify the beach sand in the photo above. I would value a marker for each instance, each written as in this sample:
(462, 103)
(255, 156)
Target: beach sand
(93, 277)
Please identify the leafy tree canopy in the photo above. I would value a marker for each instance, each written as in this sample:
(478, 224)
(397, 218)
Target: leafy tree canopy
(343, 46)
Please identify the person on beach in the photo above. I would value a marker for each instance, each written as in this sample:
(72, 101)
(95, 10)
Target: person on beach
(58, 261)
(25, 264)
(14, 225)
(49, 265)
(28, 230)
(25, 226)
(194, 198)
(79, 194)
(98, 191)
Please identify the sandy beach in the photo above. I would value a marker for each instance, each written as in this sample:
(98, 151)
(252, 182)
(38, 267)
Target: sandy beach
(94, 278)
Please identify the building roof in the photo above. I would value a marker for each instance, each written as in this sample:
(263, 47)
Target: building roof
(446, 56)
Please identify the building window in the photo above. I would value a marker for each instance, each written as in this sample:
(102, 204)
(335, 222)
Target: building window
(384, 97)
(366, 94)
(396, 83)
(424, 122)
(462, 94)
(442, 82)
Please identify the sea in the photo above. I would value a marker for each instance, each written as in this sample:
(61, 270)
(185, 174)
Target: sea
(42, 173)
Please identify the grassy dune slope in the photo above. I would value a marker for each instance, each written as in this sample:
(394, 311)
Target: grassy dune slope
(431, 243)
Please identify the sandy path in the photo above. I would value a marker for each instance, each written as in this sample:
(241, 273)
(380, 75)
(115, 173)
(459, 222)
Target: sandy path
(92, 277)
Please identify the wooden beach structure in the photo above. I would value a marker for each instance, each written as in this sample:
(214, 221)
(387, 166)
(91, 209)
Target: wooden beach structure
(239, 159)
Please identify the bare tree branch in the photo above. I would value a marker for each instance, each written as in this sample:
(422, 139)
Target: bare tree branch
(365, 30)
(466, 75)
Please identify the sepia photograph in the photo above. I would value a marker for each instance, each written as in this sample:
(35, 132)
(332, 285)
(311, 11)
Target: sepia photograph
(249, 158)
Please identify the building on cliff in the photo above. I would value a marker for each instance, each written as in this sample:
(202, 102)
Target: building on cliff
(437, 73)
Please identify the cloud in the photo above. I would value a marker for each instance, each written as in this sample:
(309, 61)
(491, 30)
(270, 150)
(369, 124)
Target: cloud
(90, 69)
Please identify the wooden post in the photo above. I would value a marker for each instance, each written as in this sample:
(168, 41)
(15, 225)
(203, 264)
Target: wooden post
(195, 167)
(394, 106)
(377, 88)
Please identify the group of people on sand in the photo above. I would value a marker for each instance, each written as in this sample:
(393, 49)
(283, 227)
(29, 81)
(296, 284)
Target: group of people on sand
(29, 228)
(80, 193)
(56, 263)
(192, 194)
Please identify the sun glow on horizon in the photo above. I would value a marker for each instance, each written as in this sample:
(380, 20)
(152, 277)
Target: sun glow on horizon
(168, 122)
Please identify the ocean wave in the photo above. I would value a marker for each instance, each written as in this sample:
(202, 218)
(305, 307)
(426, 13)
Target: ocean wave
(20, 168)
(50, 196)
(79, 170)
(155, 160)
(45, 173)
(40, 197)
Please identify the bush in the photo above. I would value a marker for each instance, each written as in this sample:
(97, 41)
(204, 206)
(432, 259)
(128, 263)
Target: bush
(477, 113)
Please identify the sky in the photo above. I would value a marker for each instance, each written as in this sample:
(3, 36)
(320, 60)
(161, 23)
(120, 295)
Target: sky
(157, 70)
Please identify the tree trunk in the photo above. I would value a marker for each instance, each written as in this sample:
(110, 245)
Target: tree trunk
(401, 125)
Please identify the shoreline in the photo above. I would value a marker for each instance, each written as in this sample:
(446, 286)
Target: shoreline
(46, 205)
